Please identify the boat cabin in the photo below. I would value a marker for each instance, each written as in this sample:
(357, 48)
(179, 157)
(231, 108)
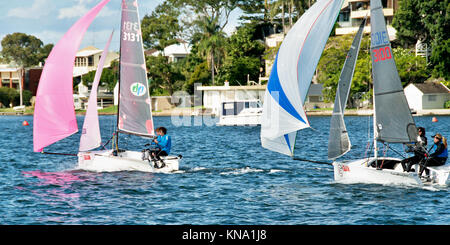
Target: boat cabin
(233, 108)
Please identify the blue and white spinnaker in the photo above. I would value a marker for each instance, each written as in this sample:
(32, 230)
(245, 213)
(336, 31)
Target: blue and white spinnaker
(292, 71)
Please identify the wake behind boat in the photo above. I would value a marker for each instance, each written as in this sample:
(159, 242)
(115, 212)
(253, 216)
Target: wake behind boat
(55, 116)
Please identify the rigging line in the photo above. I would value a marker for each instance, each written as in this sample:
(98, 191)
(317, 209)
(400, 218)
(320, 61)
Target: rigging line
(313, 161)
(57, 153)
(397, 152)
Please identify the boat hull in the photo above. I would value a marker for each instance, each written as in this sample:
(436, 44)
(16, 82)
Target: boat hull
(364, 171)
(240, 120)
(105, 161)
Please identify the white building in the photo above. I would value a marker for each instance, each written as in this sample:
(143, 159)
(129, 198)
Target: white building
(354, 11)
(213, 96)
(428, 95)
(87, 60)
(10, 76)
(174, 52)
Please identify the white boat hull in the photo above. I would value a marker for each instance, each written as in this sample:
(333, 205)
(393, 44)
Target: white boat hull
(363, 171)
(240, 120)
(105, 161)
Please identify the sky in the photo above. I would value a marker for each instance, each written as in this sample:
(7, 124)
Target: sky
(48, 20)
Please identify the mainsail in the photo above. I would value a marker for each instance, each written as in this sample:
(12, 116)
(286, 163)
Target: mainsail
(290, 78)
(90, 135)
(135, 116)
(338, 141)
(54, 114)
(394, 122)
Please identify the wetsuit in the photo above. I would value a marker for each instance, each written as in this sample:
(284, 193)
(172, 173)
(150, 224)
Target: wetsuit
(437, 158)
(419, 154)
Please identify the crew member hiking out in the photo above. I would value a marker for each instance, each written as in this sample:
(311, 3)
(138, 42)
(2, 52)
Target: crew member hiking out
(419, 150)
(438, 157)
(162, 145)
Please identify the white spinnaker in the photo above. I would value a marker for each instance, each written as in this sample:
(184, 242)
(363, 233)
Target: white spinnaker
(291, 76)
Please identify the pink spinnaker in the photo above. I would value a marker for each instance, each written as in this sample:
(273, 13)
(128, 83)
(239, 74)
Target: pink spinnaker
(90, 135)
(54, 114)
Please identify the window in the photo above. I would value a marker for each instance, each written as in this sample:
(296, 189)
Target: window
(431, 97)
(91, 61)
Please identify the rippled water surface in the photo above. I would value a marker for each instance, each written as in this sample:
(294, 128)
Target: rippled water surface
(226, 177)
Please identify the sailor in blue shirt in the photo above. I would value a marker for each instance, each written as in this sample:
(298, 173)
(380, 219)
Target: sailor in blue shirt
(438, 157)
(162, 145)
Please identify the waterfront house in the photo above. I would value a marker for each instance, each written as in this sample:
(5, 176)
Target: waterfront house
(86, 60)
(174, 52)
(428, 95)
(11, 75)
(354, 11)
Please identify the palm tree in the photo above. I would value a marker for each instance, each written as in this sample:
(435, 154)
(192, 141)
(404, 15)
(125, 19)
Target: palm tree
(212, 41)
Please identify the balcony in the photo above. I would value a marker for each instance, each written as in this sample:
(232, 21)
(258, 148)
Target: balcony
(359, 14)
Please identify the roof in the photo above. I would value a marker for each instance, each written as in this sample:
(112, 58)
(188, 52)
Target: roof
(432, 88)
(88, 51)
(224, 88)
(181, 48)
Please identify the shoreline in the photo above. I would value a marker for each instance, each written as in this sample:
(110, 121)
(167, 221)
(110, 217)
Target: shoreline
(193, 112)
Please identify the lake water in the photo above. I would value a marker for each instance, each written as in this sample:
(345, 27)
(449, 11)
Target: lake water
(225, 177)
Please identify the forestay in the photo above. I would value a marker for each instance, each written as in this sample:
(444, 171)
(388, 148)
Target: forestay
(290, 78)
(90, 135)
(135, 116)
(394, 122)
(54, 114)
(338, 141)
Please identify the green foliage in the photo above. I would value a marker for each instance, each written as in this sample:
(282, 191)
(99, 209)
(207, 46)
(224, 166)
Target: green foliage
(25, 50)
(164, 75)
(243, 56)
(199, 75)
(108, 78)
(447, 104)
(160, 29)
(411, 68)
(427, 21)
(332, 60)
(11, 96)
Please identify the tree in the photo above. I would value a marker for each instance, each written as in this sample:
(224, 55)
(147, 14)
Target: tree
(212, 17)
(161, 28)
(211, 43)
(108, 78)
(164, 76)
(427, 21)
(25, 50)
(243, 56)
(199, 75)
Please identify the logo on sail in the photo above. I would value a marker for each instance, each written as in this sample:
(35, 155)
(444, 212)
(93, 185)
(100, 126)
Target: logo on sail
(138, 89)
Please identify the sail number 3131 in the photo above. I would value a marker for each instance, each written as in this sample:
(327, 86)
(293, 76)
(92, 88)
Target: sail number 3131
(131, 31)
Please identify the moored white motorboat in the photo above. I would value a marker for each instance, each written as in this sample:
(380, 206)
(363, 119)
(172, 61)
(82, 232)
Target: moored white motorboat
(240, 113)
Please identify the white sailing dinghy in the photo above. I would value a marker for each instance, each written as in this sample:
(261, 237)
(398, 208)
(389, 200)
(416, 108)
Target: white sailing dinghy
(54, 117)
(392, 118)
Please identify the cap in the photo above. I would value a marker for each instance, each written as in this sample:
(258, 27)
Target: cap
(439, 136)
